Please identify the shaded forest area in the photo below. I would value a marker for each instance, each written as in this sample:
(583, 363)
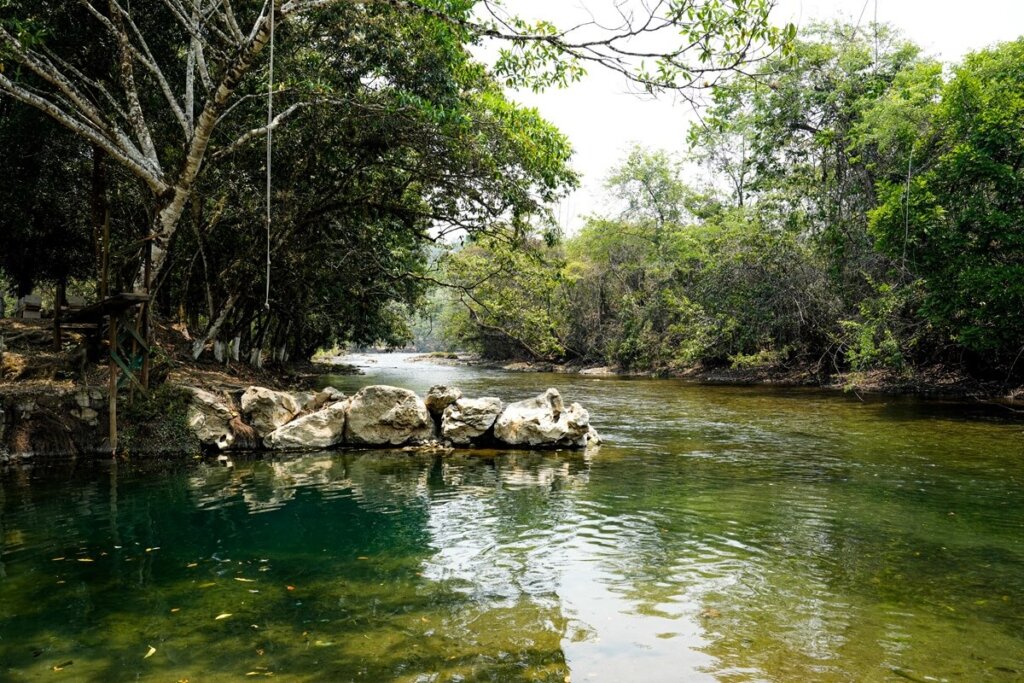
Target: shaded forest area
(865, 213)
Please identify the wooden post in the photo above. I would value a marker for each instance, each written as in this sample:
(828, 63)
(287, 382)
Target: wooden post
(112, 398)
(145, 313)
(58, 303)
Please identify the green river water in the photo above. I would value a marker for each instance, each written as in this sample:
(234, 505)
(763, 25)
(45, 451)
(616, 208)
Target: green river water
(721, 533)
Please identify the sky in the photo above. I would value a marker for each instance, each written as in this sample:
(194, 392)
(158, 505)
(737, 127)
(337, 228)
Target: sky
(603, 119)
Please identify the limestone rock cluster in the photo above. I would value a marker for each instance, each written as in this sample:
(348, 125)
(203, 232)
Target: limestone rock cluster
(385, 416)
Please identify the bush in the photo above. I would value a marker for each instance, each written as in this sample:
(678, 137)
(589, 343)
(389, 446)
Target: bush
(158, 423)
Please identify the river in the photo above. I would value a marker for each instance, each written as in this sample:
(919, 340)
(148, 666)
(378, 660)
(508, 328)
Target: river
(720, 534)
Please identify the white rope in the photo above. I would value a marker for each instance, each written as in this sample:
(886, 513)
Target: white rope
(270, 142)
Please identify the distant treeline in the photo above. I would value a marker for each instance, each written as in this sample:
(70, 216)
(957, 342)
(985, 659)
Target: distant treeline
(866, 211)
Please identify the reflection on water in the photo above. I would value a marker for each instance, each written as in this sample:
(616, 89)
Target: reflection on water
(722, 534)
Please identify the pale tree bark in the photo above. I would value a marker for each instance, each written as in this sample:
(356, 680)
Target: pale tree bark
(213, 329)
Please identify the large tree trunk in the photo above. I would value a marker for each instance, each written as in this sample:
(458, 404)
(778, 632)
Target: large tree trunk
(172, 203)
(213, 329)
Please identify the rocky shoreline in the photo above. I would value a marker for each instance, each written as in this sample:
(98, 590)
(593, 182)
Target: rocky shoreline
(384, 416)
(218, 421)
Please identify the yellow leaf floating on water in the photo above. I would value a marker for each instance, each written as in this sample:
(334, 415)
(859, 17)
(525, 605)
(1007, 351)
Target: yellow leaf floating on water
(57, 559)
(222, 616)
(239, 578)
(192, 564)
(62, 666)
(175, 609)
(362, 557)
(150, 653)
(86, 559)
(207, 584)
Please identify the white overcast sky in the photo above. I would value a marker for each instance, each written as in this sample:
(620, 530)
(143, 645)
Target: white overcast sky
(602, 119)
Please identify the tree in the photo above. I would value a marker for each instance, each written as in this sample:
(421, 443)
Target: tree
(44, 201)
(960, 226)
(169, 88)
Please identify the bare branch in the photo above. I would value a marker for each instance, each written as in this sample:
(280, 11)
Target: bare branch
(87, 130)
(259, 132)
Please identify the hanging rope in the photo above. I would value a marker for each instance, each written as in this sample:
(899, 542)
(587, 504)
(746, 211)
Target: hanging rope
(270, 143)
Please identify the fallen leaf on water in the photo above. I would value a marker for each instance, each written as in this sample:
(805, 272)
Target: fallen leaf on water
(57, 559)
(175, 609)
(323, 643)
(222, 616)
(207, 584)
(291, 588)
(192, 564)
(150, 652)
(362, 557)
(239, 578)
(61, 667)
(86, 559)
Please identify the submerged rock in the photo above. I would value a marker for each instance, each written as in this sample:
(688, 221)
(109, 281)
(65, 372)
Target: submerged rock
(383, 415)
(267, 410)
(322, 429)
(469, 418)
(209, 417)
(543, 421)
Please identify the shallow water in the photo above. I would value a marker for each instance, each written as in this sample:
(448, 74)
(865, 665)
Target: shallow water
(722, 533)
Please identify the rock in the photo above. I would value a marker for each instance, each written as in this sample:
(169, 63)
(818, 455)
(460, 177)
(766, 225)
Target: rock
(268, 410)
(440, 397)
(383, 415)
(305, 400)
(593, 438)
(599, 372)
(322, 429)
(543, 421)
(323, 397)
(209, 418)
(469, 418)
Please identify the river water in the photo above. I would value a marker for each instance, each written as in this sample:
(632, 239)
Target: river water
(720, 534)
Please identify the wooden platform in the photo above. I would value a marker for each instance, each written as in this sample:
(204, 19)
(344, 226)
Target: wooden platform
(112, 305)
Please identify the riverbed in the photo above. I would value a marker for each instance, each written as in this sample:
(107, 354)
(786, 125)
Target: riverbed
(719, 534)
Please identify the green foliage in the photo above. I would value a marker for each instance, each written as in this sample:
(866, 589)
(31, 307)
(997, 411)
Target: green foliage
(885, 334)
(817, 254)
(507, 303)
(157, 422)
(960, 228)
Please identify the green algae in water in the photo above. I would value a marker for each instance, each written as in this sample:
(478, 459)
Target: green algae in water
(722, 534)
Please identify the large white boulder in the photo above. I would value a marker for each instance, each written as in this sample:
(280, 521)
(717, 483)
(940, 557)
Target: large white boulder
(267, 410)
(469, 418)
(209, 417)
(383, 415)
(323, 429)
(543, 421)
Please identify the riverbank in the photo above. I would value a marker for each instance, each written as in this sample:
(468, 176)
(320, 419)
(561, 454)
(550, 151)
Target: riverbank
(55, 403)
(931, 382)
